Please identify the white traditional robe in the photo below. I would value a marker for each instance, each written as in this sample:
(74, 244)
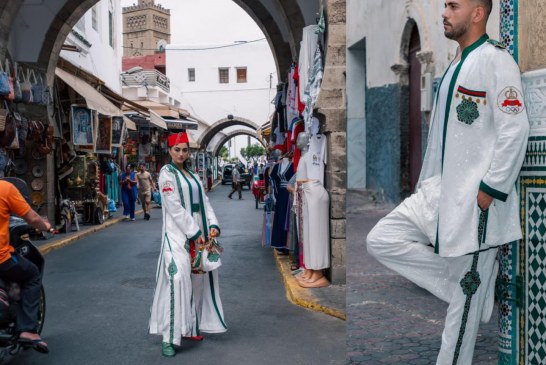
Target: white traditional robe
(184, 303)
(480, 144)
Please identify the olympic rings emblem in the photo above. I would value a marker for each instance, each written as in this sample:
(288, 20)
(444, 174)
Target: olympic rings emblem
(510, 100)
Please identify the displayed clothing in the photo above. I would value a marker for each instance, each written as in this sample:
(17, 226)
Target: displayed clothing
(184, 303)
(291, 98)
(316, 226)
(311, 165)
(280, 175)
(308, 46)
(480, 145)
(313, 88)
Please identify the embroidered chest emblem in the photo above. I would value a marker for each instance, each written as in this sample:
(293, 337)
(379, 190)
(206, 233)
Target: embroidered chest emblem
(510, 100)
(467, 110)
(167, 188)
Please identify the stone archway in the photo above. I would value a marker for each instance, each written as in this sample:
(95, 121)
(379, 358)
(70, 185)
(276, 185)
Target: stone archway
(211, 131)
(40, 43)
(236, 133)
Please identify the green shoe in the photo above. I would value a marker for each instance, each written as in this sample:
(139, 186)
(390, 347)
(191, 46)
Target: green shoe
(167, 349)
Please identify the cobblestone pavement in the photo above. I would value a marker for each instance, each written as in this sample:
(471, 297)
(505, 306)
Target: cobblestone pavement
(389, 319)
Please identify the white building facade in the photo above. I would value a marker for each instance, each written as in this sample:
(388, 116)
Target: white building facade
(97, 37)
(218, 81)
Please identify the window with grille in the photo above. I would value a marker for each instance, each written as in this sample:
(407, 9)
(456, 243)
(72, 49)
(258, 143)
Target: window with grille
(223, 73)
(191, 74)
(111, 29)
(94, 18)
(241, 74)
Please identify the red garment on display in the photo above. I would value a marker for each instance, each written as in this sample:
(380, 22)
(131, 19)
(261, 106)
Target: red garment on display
(298, 128)
(301, 106)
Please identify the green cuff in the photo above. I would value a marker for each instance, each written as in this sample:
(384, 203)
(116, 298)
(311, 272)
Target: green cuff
(493, 192)
(218, 228)
(195, 236)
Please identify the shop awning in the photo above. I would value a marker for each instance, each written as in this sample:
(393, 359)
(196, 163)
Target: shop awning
(129, 123)
(93, 98)
(157, 120)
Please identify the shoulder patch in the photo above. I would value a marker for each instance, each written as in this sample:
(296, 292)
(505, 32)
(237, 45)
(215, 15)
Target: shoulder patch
(496, 43)
(167, 188)
(510, 100)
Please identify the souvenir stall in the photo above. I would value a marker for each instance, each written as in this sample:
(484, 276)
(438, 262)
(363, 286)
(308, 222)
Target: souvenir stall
(92, 132)
(301, 218)
(26, 136)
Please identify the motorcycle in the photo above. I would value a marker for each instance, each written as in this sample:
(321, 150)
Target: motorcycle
(19, 233)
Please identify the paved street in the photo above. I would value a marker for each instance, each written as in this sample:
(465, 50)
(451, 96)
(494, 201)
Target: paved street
(389, 319)
(99, 291)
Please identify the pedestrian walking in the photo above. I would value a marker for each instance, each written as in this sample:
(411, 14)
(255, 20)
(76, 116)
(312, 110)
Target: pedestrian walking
(145, 187)
(236, 183)
(128, 184)
(186, 301)
(465, 204)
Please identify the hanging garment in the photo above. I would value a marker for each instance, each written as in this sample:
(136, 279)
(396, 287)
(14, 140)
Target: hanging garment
(316, 226)
(280, 175)
(311, 166)
(308, 46)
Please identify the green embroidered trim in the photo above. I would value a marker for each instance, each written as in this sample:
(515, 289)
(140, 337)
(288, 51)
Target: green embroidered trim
(202, 207)
(466, 52)
(195, 236)
(172, 270)
(215, 226)
(493, 192)
(213, 256)
(496, 43)
(467, 111)
(172, 168)
(470, 284)
(211, 281)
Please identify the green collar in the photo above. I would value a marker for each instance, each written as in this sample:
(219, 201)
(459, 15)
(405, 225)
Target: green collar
(465, 53)
(474, 45)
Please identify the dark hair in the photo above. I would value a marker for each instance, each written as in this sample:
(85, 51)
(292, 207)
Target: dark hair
(486, 4)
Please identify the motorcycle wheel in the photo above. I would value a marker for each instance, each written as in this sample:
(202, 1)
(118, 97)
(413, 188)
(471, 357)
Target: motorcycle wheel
(41, 310)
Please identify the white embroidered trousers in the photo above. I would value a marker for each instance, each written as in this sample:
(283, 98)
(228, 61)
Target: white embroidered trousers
(400, 241)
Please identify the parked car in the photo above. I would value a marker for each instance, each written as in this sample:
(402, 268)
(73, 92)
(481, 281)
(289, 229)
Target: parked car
(226, 174)
(246, 177)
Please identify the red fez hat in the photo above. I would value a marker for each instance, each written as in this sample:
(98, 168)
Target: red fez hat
(176, 138)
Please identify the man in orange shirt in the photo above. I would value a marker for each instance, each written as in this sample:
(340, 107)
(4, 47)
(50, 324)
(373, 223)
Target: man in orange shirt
(17, 269)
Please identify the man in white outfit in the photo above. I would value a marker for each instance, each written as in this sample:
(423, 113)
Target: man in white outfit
(466, 204)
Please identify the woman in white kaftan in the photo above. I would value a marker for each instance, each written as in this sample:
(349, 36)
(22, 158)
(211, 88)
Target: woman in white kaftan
(185, 303)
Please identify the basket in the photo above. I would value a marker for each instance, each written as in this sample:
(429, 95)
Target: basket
(3, 117)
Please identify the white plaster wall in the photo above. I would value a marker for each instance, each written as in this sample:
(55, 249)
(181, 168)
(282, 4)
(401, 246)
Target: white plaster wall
(101, 59)
(212, 101)
(382, 23)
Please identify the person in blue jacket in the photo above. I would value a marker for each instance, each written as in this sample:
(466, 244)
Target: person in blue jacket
(128, 184)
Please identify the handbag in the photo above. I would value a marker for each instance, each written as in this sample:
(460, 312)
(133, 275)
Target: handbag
(10, 130)
(40, 91)
(207, 256)
(16, 121)
(26, 88)
(4, 82)
(17, 92)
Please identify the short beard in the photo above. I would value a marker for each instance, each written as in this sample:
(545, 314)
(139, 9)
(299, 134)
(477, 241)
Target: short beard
(457, 33)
